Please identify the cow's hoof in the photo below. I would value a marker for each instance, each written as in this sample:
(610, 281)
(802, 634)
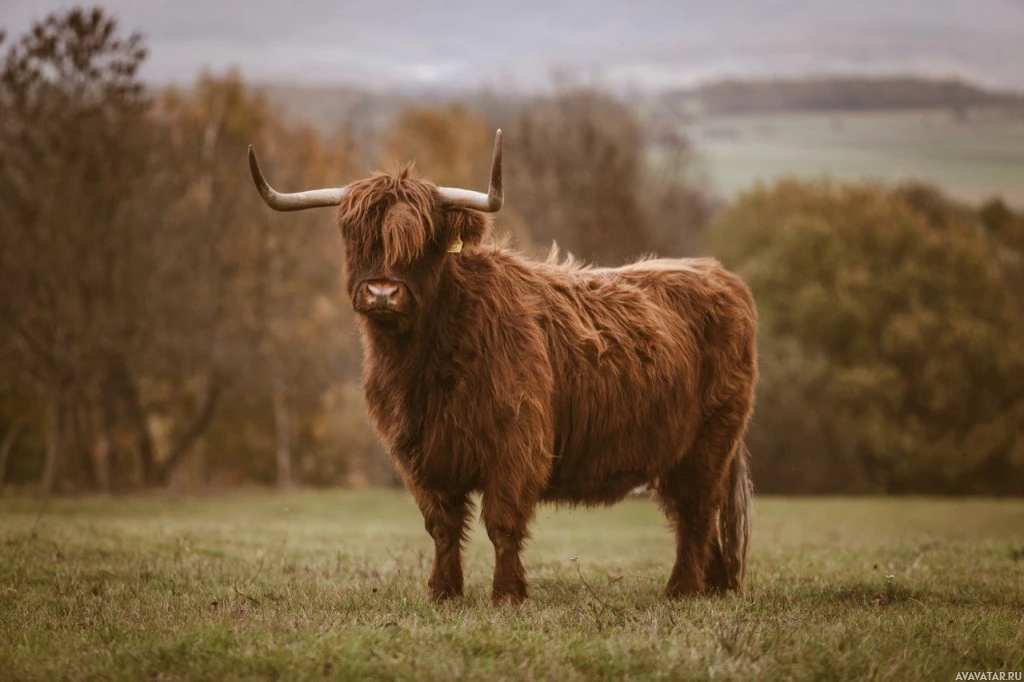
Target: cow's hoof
(508, 598)
(442, 595)
(681, 591)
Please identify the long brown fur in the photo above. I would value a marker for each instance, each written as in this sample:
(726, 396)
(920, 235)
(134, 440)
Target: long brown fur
(551, 381)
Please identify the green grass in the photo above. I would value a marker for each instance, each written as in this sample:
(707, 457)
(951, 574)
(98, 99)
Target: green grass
(332, 584)
(972, 158)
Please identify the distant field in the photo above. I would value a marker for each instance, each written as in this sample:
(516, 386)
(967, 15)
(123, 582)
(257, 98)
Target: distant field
(973, 156)
(331, 585)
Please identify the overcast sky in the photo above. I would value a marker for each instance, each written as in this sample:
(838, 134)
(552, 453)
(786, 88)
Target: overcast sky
(648, 43)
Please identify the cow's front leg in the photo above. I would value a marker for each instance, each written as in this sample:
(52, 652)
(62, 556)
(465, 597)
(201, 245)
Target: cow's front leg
(507, 513)
(445, 516)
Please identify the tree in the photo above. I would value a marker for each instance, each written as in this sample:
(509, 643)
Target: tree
(147, 290)
(450, 146)
(283, 341)
(581, 173)
(74, 143)
(906, 329)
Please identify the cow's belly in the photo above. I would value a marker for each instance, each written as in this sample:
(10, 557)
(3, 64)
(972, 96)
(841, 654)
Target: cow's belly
(582, 487)
(600, 458)
(604, 474)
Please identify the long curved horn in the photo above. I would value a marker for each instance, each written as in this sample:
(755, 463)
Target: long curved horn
(488, 203)
(296, 201)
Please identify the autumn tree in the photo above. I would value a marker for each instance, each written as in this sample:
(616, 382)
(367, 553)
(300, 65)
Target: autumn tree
(580, 173)
(891, 339)
(451, 145)
(75, 143)
(273, 281)
(580, 170)
(148, 294)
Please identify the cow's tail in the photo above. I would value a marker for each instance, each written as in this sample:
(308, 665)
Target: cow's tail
(734, 519)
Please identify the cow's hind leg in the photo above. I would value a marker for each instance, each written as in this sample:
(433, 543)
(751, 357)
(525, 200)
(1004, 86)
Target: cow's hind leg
(692, 492)
(446, 517)
(716, 575)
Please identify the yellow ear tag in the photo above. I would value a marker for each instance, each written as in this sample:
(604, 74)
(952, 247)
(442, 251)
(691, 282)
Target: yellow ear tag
(455, 246)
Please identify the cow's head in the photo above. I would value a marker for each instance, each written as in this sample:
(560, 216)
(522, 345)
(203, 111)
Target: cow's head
(398, 232)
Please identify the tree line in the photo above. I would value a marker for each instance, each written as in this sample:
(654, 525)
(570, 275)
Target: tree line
(892, 338)
(159, 326)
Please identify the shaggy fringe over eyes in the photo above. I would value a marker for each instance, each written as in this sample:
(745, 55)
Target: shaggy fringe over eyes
(394, 208)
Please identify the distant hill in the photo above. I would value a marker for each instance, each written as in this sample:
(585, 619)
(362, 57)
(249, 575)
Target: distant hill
(833, 94)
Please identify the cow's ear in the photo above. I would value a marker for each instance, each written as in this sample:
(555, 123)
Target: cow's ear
(468, 225)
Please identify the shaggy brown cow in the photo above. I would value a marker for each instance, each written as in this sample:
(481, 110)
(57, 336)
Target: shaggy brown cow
(544, 381)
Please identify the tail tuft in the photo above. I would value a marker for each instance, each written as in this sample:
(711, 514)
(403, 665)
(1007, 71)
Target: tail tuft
(734, 519)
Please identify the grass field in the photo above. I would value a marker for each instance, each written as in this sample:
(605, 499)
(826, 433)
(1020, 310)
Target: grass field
(332, 585)
(972, 157)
